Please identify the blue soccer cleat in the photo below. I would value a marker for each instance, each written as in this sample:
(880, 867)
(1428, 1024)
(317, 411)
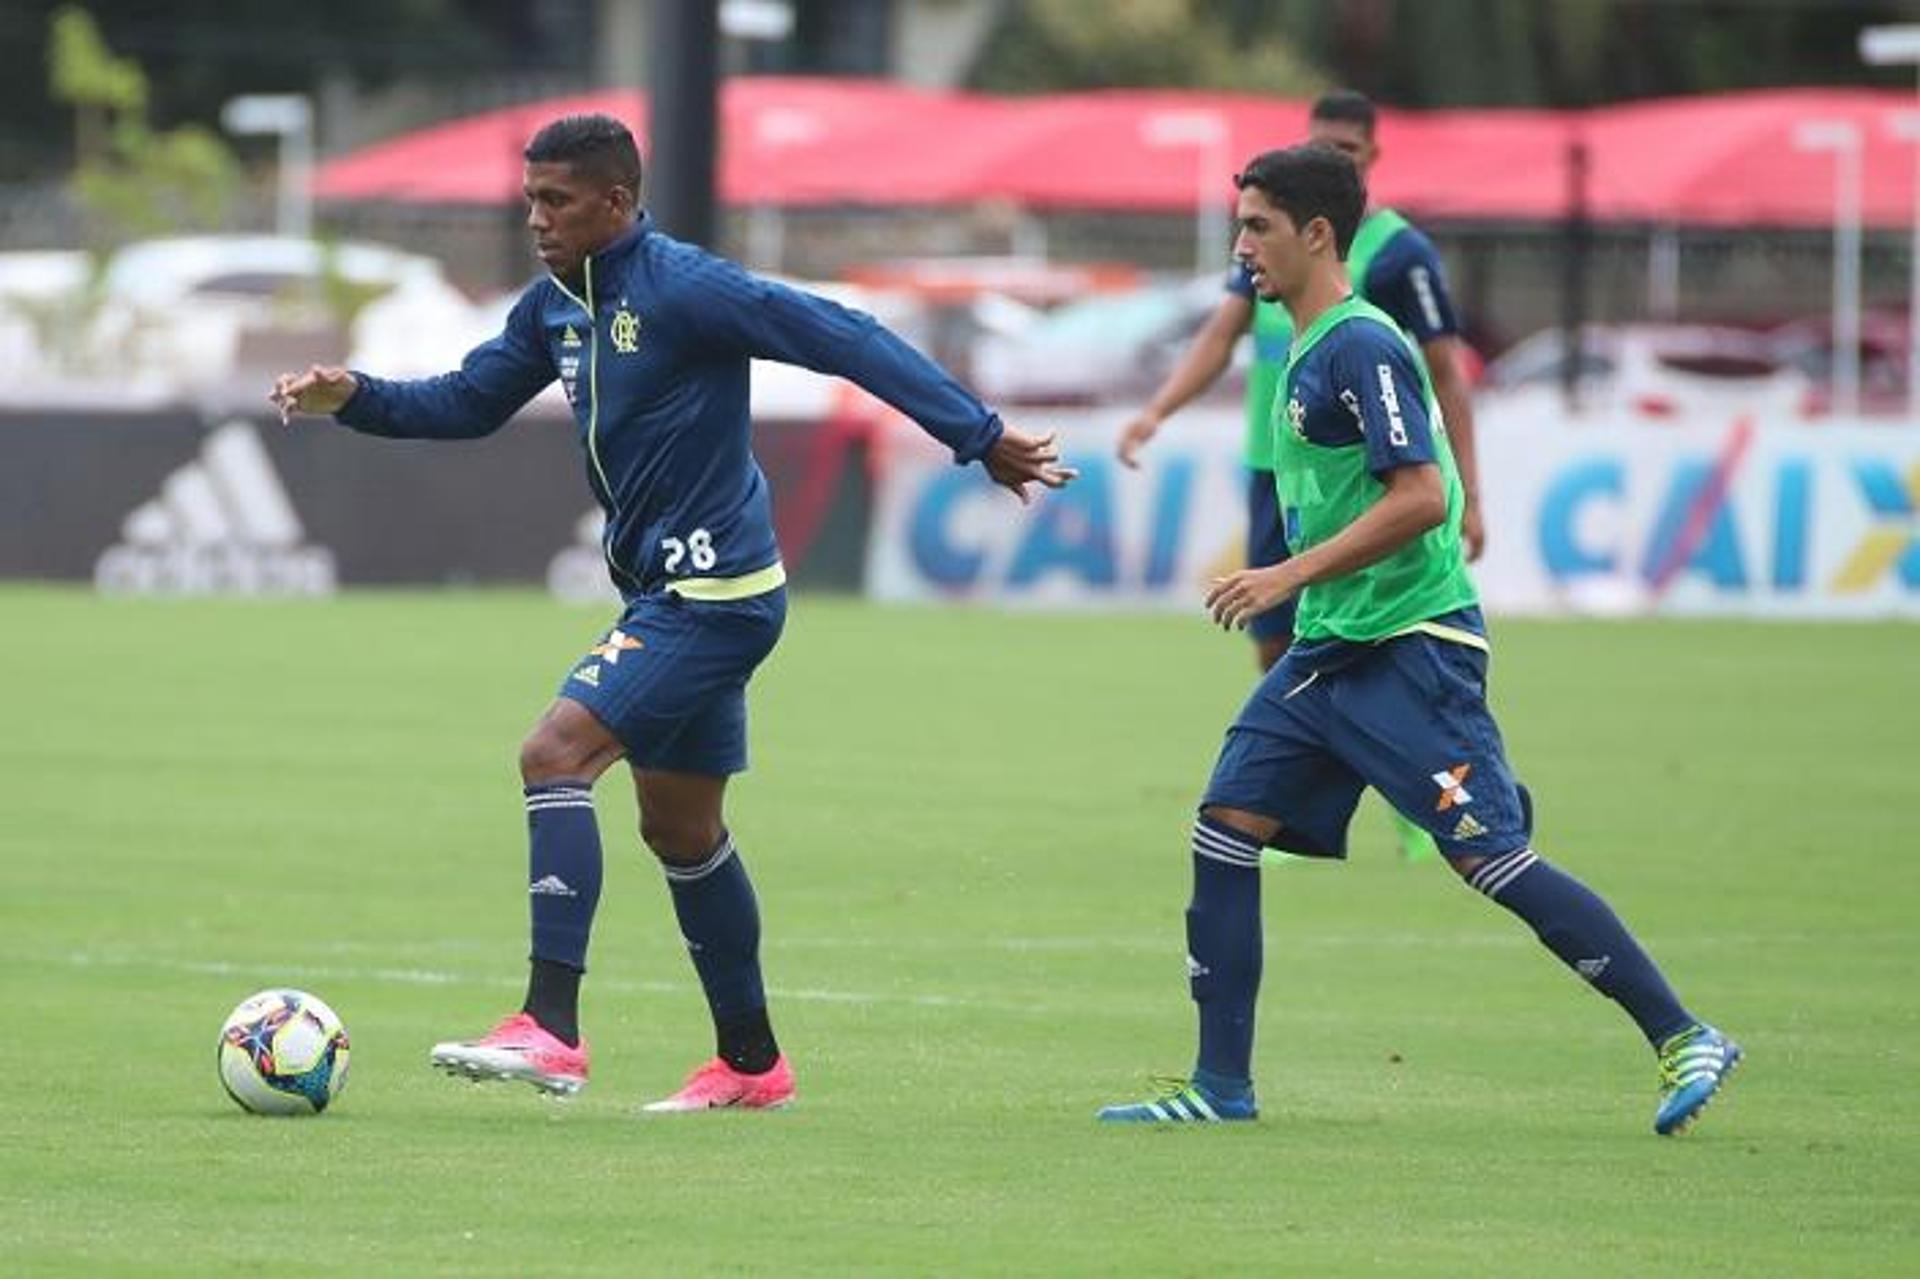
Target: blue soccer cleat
(1693, 1065)
(1183, 1101)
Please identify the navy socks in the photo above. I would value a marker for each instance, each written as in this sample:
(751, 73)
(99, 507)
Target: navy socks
(720, 919)
(1224, 953)
(563, 890)
(1587, 936)
(714, 900)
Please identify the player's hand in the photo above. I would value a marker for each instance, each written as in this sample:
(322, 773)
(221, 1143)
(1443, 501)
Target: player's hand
(1473, 531)
(1018, 459)
(1134, 436)
(1237, 598)
(323, 388)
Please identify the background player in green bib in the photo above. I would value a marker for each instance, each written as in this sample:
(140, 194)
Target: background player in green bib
(1385, 683)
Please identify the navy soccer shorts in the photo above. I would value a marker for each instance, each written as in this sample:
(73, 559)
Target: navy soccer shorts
(670, 679)
(1266, 544)
(1407, 717)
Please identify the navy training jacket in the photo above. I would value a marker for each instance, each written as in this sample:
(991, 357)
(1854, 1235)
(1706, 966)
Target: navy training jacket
(652, 346)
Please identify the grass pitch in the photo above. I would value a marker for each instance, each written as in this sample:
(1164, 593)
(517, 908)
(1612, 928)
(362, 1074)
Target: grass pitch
(969, 834)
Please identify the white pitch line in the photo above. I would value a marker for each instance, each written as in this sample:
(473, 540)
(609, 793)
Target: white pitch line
(437, 977)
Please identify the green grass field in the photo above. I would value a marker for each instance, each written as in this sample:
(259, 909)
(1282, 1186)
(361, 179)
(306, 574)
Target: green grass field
(969, 834)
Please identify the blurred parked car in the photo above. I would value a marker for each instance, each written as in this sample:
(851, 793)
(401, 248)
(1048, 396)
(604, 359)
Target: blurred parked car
(1113, 347)
(971, 300)
(1807, 344)
(36, 293)
(203, 316)
(1651, 371)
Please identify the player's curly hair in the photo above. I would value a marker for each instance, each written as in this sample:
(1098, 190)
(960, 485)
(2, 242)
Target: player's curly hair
(593, 146)
(1308, 182)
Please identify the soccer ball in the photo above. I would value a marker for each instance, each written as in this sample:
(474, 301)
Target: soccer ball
(283, 1052)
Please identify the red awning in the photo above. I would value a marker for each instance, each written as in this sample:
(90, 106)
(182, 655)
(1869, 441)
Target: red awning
(784, 141)
(1731, 160)
(1728, 160)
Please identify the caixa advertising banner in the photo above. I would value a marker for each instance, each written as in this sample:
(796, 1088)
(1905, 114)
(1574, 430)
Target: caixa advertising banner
(1742, 517)
(1146, 538)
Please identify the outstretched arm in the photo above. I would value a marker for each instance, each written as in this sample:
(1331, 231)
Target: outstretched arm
(761, 318)
(490, 386)
(1204, 360)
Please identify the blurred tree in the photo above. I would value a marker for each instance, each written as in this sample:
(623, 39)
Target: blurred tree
(198, 53)
(1441, 53)
(84, 73)
(1438, 53)
(131, 180)
(1092, 44)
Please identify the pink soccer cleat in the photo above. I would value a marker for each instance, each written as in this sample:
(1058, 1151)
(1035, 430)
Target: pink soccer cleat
(518, 1048)
(718, 1086)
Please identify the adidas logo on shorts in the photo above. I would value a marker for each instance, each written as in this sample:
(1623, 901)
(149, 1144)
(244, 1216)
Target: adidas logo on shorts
(1468, 828)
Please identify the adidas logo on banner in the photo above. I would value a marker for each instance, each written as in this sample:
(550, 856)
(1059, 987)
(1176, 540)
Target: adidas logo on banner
(221, 525)
(578, 574)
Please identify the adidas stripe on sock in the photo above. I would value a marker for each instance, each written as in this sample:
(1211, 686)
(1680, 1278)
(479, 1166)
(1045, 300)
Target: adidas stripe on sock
(1497, 872)
(1223, 844)
(700, 870)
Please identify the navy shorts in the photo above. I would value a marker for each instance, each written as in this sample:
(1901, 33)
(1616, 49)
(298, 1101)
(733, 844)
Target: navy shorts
(1266, 544)
(670, 679)
(1407, 716)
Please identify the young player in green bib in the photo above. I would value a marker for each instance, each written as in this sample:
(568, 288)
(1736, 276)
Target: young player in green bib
(1385, 682)
(1393, 265)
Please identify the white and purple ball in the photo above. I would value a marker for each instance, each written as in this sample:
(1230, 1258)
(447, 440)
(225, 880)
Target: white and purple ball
(283, 1052)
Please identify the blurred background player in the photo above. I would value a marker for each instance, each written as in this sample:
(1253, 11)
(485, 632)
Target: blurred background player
(1385, 683)
(1392, 264)
(651, 339)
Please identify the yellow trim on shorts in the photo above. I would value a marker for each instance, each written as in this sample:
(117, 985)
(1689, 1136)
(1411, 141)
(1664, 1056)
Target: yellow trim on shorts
(716, 589)
(1452, 634)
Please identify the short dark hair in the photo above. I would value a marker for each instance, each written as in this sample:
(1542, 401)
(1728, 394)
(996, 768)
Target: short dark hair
(594, 146)
(1309, 182)
(1347, 106)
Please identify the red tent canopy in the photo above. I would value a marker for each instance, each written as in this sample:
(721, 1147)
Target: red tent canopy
(1732, 160)
(1728, 160)
(784, 141)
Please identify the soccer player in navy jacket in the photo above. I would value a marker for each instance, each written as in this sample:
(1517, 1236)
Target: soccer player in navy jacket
(651, 339)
